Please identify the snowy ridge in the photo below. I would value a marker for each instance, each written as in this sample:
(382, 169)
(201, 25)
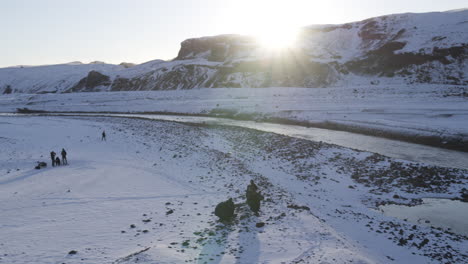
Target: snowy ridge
(420, 32)
(395, 49)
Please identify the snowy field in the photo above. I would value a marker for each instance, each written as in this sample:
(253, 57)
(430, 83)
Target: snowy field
(415, 110)
(147, 194)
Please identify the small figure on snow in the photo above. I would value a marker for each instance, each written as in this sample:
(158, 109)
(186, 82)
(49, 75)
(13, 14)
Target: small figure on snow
(103, 138)
(52, 156)
(64, 157)
(253, 197)
(57, 161)
(225, 210)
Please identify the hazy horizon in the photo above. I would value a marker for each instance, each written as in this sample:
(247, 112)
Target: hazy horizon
(54, 31)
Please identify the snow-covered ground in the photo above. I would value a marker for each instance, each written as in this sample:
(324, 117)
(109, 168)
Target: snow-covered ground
(166, 178)
(422, 110)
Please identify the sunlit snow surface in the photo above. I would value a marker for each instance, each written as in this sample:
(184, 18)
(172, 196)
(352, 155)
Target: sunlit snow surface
(145, 169)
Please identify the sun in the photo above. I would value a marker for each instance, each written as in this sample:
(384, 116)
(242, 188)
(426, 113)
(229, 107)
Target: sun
(277, 38)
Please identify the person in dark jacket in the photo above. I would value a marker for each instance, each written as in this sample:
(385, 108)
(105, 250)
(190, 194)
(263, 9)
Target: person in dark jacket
(253, 197)
(57, 161)
(103, 136)
(64, 157)
(252, 186)
(52, 156)
(225, 210)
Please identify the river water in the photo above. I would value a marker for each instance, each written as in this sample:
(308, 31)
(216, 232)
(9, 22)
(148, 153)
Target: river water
(435, 212)
(388, 147)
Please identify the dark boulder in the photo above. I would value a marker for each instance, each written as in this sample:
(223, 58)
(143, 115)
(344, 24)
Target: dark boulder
(90, 82)
(260, 224)
(298, 207)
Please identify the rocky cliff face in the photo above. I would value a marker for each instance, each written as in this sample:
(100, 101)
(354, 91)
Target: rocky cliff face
(403, 48)
(219, 48)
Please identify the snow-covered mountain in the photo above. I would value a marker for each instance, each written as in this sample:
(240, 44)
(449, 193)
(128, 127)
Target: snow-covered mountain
(401, 48)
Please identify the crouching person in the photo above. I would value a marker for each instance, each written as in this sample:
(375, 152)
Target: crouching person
(225, 210)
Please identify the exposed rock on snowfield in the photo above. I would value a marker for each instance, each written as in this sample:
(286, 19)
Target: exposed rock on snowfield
(397, 49)
(91, 82)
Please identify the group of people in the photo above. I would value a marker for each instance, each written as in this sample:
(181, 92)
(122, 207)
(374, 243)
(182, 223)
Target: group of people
(225, 210)
(56, 160)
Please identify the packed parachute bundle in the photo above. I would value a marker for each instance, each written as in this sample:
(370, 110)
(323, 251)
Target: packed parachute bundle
(40, 165)
(225, 210)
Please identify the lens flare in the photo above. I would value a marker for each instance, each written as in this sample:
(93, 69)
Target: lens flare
(277, 38)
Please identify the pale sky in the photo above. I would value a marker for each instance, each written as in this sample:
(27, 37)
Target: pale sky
(35, 32)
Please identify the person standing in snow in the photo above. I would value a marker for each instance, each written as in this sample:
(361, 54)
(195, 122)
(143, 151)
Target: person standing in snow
(103, 138)
(52, 156)
(57, 161)
(253, 197)
(64, 157)
(252, 186)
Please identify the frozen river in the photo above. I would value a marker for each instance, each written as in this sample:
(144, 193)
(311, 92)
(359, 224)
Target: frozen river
(388, 147)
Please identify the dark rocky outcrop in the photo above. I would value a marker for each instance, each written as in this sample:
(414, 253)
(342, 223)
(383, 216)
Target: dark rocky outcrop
(125, 84)
(217, 48)
(183, 76)
(385, 62)
(90, 82)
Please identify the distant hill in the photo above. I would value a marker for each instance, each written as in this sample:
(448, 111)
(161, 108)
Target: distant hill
(402, 48)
